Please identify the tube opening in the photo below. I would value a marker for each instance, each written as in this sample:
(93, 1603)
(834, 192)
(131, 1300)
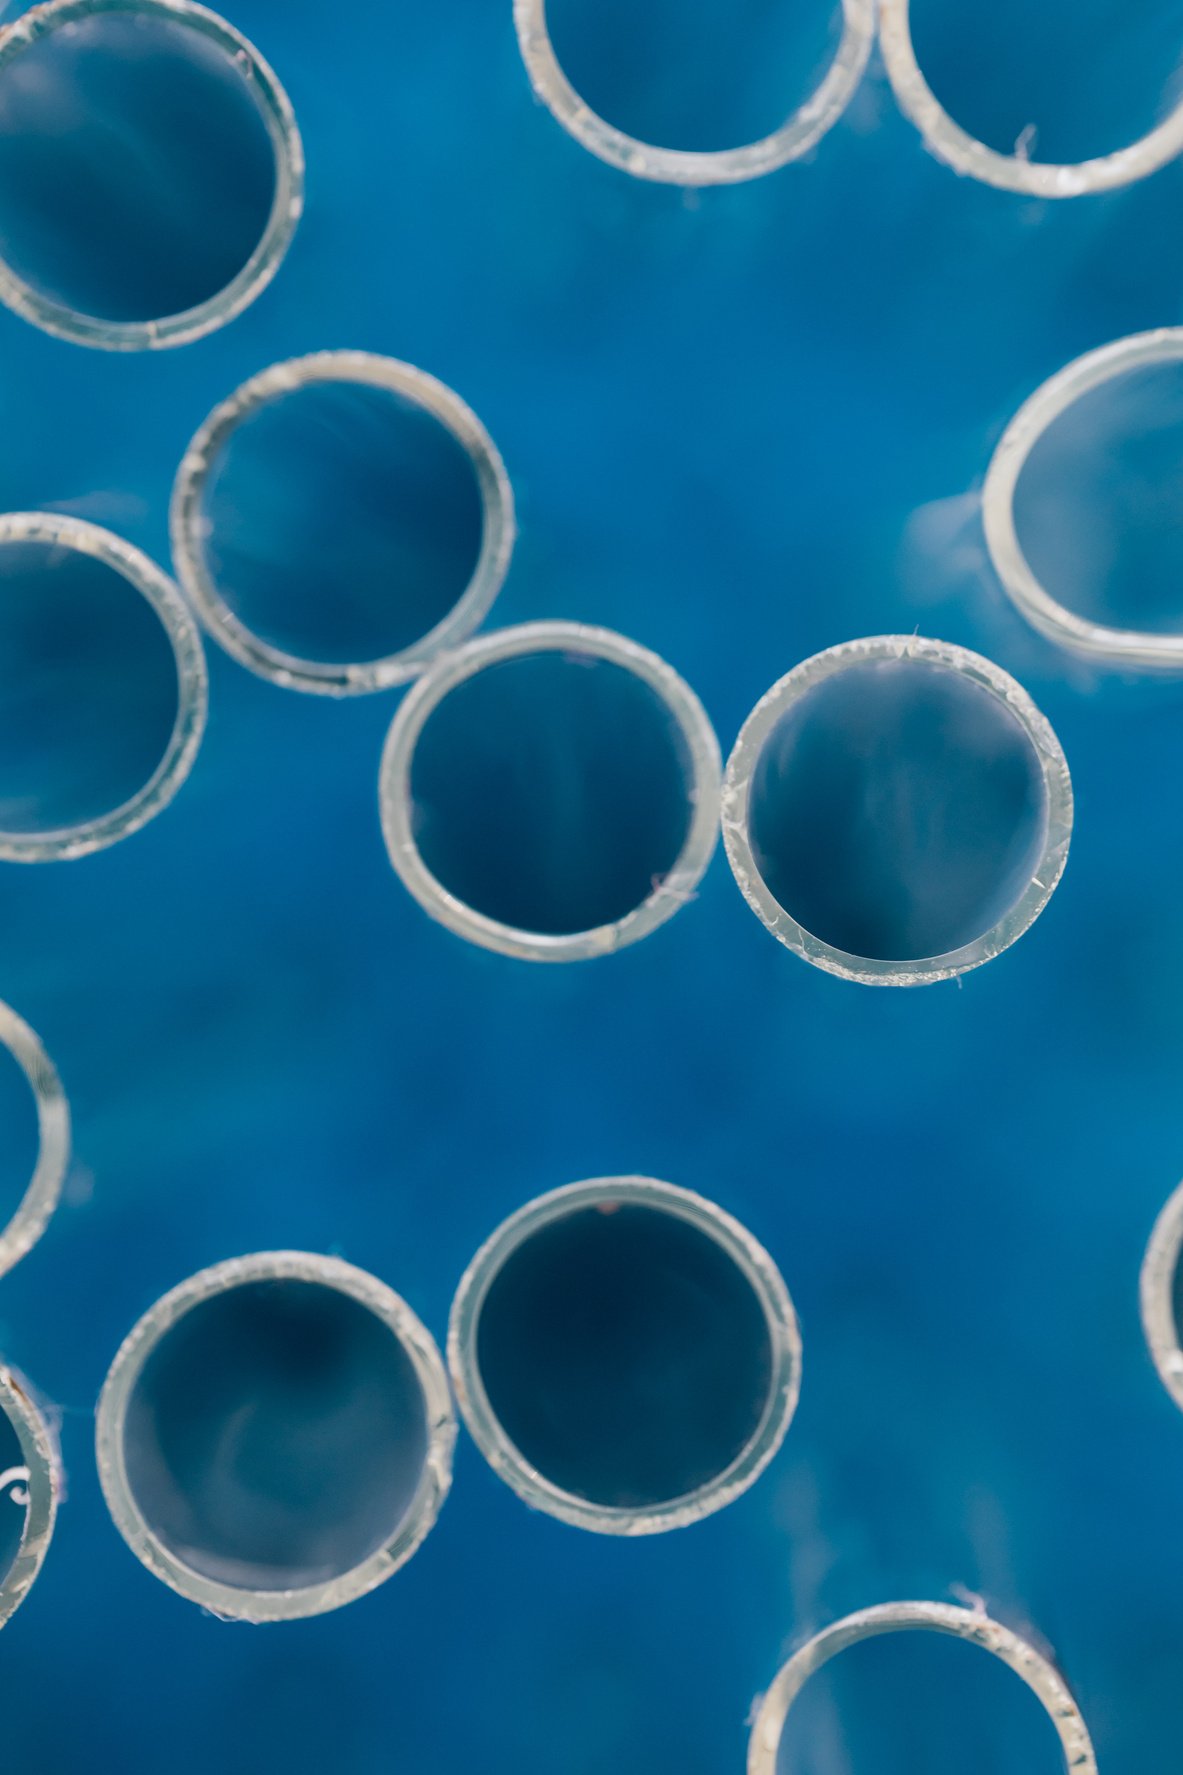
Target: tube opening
(909, 1696)
(28, 1490)
(36, 1123)
(664, 95)
(278, 1440)
(102, 688)
(892, 807)
(625, 1355)
(150, 171)
(1055, 100)
(551, 791)
(1081, 504)
(341, 519)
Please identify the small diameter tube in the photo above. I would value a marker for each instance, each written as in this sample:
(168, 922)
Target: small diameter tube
(275, 1436)
(53, 1131)
(190, 529)
(1010, 172)
(625, 1355)
(674, 166)
(34, 1485)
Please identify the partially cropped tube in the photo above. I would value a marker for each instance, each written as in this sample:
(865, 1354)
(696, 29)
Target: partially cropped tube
(1124, 647)
(974, 1626)
(275, 1436)
(351, 459)
(1159, 1293)
(48, 549)
(30, 1484)
(122, 225)
(897, 811)
(53, 1131)
(675, 166)
(551, 791)
(625, 1355)
(1010, 172)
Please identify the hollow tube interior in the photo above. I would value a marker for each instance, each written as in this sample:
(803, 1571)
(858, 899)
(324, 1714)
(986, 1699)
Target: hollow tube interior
(897, 810)
(88, 688)
(917, 1704)
(1096, 504)
(703, 78)
(1063, 81)
(341, 522)
(13, 1496)
(137, 172)
(20, 1139)
(276, 1435)
(625, 1354)
(551, 792)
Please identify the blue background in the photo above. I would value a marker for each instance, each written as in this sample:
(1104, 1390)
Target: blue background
(741, 426)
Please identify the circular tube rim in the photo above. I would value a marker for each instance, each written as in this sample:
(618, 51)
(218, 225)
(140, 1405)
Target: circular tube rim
(919, 970)
(698, 736)
(484, 1426)
(43, 1192)
(40, 1452)
(800, 132)
(62, 843)
(1156, 1285)
(475, 601)
(252, 278)
(1127, 647)
(972, 1625)
(1010, 172)
(232, 1601)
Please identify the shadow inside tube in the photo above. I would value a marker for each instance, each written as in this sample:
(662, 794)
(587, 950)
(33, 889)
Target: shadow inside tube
(276, 1436)
(625, 1355)
(897, 810)
(342, 522)
(1062, 81)
(88, 688)
(917, 1704)
(136, 171)
(1098, 505)
(550, 792)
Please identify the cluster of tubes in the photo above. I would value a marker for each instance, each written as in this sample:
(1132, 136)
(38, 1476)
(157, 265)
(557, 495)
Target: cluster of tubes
(187, 1520)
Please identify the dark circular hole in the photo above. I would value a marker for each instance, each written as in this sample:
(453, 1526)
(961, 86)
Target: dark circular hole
(1068, 80)
(717, 75)
(917, 1704)
(551, 792)
(276, 1436)
(88, 688)
(13, 1488)
(625, 1355)
(897, 810)
(342, 522)
(22, 1140)
(137, 173)
(1096, 506)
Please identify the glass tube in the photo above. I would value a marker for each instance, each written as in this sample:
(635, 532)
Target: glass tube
(1158, 1287)
(341, 1452)
(1095, 370)
(397, 386)
(45, 542)
(695, 1372)
(38, 105)
(849, 797)
(675, 166)
(974, 1626)
(561, 783)
(31, 1483)
(1010, 172)
(53, 1128)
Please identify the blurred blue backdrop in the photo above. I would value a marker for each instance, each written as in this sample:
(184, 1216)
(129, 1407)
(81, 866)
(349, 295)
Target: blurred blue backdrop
(741, 426)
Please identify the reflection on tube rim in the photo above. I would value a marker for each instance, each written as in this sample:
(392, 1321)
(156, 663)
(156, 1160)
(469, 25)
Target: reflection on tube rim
(484, 1426)
(233, 1601)
(39, 1453)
